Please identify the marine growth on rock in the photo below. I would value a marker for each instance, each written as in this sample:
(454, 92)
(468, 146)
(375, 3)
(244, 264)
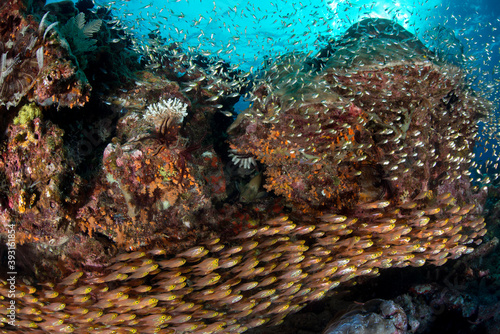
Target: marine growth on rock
(357, 158)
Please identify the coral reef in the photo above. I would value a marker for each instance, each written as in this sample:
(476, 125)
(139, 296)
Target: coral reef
(40, 188)
(33, 64)
(156, 242)
(339, 144)
(155, 182)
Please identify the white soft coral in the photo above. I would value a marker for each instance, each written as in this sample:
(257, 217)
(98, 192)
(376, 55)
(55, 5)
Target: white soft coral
(172, 108)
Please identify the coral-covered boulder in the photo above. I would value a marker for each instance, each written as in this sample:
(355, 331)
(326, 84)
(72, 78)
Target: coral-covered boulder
(375, 130)
(40, 183)
(154, 187)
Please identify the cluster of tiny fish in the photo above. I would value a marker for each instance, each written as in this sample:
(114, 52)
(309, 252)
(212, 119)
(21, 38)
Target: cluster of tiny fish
(258, 277)
(265, 272)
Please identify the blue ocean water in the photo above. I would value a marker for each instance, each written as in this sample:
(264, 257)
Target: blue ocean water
(246, 32)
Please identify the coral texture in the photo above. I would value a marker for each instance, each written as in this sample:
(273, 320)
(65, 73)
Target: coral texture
(365, 161)
(373, 317)
(33, 63)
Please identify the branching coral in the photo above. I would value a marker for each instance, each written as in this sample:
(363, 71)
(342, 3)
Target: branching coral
(172, 108)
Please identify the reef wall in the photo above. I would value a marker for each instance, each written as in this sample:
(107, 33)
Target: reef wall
(356, 159)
